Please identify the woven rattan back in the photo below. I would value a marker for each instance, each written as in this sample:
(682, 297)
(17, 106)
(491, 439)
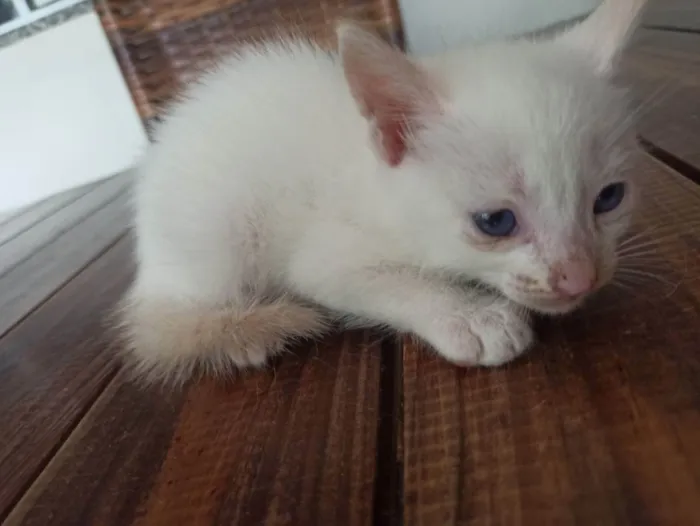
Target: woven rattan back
(161, 44)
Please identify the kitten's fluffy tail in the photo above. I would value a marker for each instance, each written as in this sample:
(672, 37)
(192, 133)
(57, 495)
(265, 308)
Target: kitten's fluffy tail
(169, 341)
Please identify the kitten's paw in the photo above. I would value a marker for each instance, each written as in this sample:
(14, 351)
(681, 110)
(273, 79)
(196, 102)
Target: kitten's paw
(488, 335)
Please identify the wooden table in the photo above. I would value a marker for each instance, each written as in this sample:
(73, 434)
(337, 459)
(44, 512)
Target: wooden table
(598, 425)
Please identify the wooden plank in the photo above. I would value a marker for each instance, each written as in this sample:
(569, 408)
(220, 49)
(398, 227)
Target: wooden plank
(294, 444)
(17, 249)
(598, 424)
(52, 367)
(47, 269)
(17, 222)
(677, 14)
(663, 68)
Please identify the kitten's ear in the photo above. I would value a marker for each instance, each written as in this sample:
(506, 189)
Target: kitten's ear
(390, 90)
(605, 33)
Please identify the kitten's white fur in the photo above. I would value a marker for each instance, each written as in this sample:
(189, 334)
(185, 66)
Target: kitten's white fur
(292, 178)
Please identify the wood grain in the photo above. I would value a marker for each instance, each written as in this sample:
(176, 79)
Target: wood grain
(291, 445)
(17, 222)
(673, 14)
(45, 270)
(16, 250)
(663, 70)
(595, 426)
(52, 366)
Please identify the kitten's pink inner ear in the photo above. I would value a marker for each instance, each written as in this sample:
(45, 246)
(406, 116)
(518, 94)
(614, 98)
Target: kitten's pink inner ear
(390, 90)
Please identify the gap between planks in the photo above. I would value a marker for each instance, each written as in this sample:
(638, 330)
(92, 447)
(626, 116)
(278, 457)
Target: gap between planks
(65, 283)
(388, 491)
(47, 474)
(671, 161)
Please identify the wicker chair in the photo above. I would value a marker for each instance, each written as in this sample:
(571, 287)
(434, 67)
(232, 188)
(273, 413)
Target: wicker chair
(161, 44)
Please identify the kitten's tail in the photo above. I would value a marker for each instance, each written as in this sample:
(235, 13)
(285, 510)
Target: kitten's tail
(167, 341)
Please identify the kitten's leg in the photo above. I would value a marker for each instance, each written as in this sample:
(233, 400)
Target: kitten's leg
(465, 327)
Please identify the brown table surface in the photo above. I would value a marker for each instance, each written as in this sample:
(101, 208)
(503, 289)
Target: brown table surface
(599, 424)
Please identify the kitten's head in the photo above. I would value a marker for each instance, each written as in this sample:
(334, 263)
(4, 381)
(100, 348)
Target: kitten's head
(517, 151)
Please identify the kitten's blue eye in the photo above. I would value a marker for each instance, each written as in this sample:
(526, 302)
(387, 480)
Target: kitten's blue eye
(500, 223)
(609, 198)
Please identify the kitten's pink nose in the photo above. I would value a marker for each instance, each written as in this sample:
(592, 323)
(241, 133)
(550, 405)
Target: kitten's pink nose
(574, 277)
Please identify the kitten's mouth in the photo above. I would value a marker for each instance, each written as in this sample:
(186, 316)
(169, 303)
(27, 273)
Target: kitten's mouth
(550, 304)
(553, 303)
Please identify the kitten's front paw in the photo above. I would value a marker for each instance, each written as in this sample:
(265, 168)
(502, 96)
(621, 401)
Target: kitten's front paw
(490, 334)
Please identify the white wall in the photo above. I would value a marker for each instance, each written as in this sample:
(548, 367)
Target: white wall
(66, 116)
(434, 25)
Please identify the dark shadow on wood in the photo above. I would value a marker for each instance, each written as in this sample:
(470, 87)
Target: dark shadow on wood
(687, 170)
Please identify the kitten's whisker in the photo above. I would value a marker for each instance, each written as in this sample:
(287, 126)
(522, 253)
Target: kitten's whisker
(660, 93)
(627, 287)
(643, 237)
(658, 241)
(644, 281)
(636, 242)
(650, 256)
(634, 249)
(673, 290)
(664, 230)
(676, 225)
(633, 272)
(646, 253)
(648, 285)
(642, 251)
(640, 263)
(627, 240)
(641, 256)
(635, 234)
(651, 101)
(621, 285)
(643, 284)
(646, 268)
(634, 276)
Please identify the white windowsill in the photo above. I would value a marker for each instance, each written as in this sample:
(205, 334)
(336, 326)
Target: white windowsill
(26, 15)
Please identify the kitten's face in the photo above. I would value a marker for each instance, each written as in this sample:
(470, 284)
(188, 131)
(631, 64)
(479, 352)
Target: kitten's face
(536, 163)
(561, 246)
(549, 237)
(517, 150)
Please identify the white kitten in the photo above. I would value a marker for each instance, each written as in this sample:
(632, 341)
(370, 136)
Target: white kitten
(370, 184)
